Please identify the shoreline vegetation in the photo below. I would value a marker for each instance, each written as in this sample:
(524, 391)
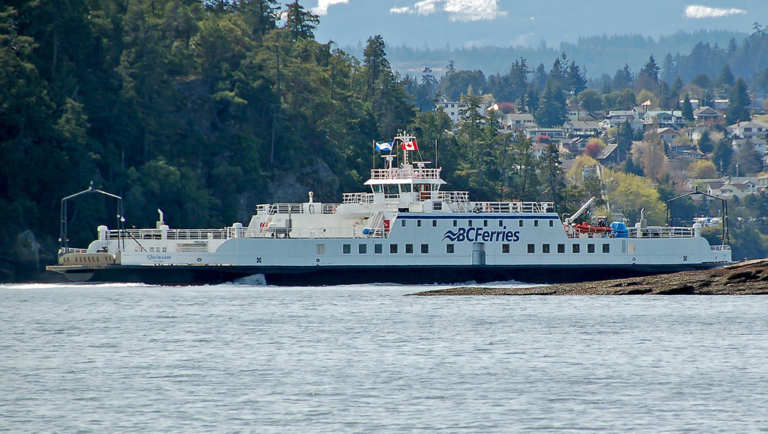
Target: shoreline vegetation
(744, 278)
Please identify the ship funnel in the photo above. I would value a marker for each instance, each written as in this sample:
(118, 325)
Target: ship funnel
(160, 222)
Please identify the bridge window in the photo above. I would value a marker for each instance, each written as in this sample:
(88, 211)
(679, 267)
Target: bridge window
(405, 188)
(561, 248)
(378, 248)
(606, 248)
(377, 188)
(346, 249)
(531, 248)
(362, 249)
(449, 248)
(409, 248)
(425, 248)
(505, 248)
(393, 248)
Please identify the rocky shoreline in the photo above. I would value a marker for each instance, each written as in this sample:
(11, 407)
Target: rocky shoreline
(744, 278)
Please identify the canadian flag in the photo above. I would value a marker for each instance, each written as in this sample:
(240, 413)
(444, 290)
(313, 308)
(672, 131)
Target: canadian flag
(410, 146)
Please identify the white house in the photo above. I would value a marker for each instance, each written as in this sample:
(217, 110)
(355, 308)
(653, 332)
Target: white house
(581, 128)
(552, 133)
(752, 130)
(451, 108)
(518, 121)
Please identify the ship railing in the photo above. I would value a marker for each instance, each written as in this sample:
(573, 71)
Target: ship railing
(453, 196)
(505, 207)
(295, 208)
(359, 198)
(405, 173)
(325, 232)
(171, 234)
(64, 250)
(660, 232)
(720, 248)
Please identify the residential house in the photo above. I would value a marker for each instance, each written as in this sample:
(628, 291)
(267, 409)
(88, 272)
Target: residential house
(451, 108)
(552, 133)
(733, 187)
(539, 149)
(672, 119)
(518, 121)
(753, 131)
(575, 145)
(609, 154)
(707, 114)
(668, 135)
(574, 112)
(581, 129)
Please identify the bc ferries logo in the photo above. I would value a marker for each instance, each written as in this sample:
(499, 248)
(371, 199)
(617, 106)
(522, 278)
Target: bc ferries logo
(479, 234)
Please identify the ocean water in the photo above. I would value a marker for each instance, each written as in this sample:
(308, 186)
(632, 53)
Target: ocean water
(257, 359)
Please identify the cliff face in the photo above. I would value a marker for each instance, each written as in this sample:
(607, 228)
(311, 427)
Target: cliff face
(745, 278)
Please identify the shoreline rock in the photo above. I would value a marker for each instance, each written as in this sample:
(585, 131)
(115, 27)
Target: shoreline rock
(744, 278)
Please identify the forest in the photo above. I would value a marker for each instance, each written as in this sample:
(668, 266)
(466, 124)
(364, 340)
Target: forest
(206, 108)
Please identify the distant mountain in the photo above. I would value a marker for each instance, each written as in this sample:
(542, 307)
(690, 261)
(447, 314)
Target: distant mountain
(433, 28)
(466, 23)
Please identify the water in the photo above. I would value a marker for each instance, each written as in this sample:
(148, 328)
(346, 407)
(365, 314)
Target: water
(237, 358)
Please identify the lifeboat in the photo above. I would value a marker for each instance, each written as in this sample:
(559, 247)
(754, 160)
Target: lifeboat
(585, 228)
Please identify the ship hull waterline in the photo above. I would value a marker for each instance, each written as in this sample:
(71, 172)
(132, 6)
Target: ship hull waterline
(341, 275)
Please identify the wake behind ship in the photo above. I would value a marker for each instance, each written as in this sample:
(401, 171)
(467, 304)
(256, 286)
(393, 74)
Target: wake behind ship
(404, 229)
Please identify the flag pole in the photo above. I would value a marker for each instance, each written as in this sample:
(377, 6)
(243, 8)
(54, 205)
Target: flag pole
(373, 155)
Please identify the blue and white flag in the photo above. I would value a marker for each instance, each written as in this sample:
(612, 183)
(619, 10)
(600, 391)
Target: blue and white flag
(386, 146)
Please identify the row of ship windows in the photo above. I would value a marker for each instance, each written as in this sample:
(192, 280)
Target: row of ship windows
(450, 248)
(485, 223)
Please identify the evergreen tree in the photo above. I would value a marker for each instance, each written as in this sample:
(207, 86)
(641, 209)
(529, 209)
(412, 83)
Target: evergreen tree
(551, 111)
(299, 22)
(747, 161)
(722, 155)
(540, 77)
(624, 138)
(705, 143)
(726, 78)
(260, 15)
(531, 103)
(687, 108)
(651, 69)
(738, 103)
(623, 79)
(375, 63)
(552, 173)
(574, 80)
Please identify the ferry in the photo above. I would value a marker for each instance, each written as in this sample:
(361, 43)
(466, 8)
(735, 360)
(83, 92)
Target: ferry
(403, 229)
